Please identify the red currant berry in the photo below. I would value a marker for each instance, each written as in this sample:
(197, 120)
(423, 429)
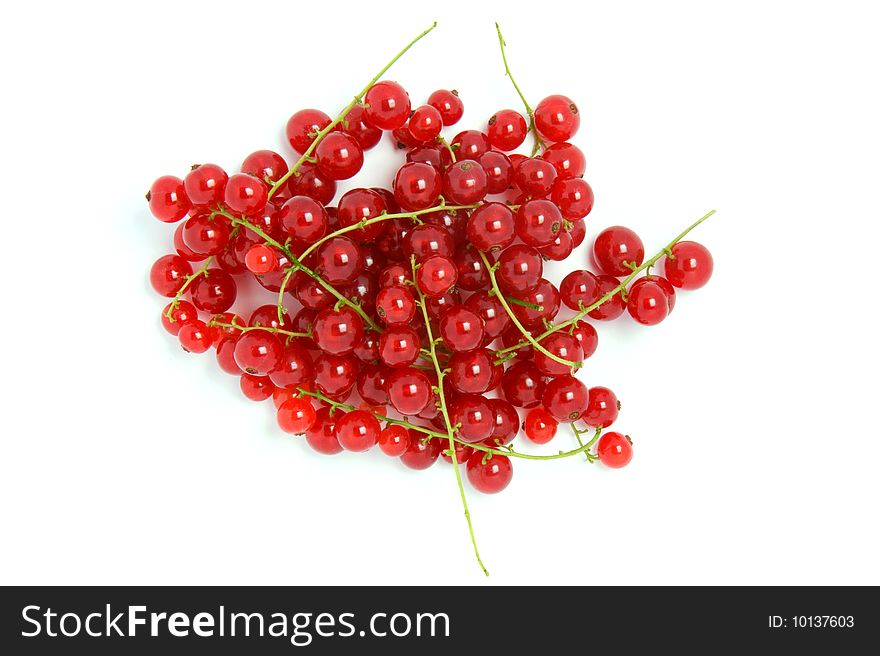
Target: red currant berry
(461, 329)
(335, 375)
(577, 231)
(309, 181)
(465, 183)
(296, 368)
(602, 408)
(523, 384)
(226, 356)
(489, 474)
(565, 398)
(425, 123)
(371, 383)
(265, 165)
(311, 294)
(361, 205)
(321, 435)
(195, 336)
(538, 222)
(448, 104)
(471, 372)
(425, 154)
(557, 118)
(534, 177)
(168, 200)
(394, 440)
(303, 127)
(580, 287)
(617, 250)
(304, 219)
(587, 336)
(205, 236)
(339, 155)
(647, 303)
(421, 453)
(356, 125)
(338, 331)
(182, 249)
(546, 297)
(472, 273)
(475, 416)
(417, 186)
(395, 304)
(499, 171)
(455, 222)
(573, 197)
(614, 306)
(567, 159)
(339, 260)
(184, 311)
(506, 423)
(436, 275)
(664, 284)
(386, 105)
(302, 323)
(507, 130)
(258, 352)
(470, 144)
(205, 185)
(281, 395)
(562, 345)
(614, 450)
(491, 311)
(168, 274)
(357, 431)
(428, 239)
(690, 266)
(409, 390)
(462, 452)
(491, 227)
(539, 425)
(520, 268)
(256, 388)
(245, 194)
(296, 416)
(560, 249)
(399, 346)
(260, 259)
(214, 291)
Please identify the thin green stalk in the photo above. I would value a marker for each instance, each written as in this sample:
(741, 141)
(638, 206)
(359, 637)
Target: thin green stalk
(445, 144)
(307, 156)
(607, 297)
(539, 143)
(180, 292)
(268, 329)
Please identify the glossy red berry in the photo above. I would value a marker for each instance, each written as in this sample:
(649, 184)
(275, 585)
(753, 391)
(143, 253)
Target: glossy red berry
(265, 165)
(448, 104)
(338, 331)
(664, 284)
(205, 236)
(386, 105)
(602, 408)
(538, 222)
(559, 249)
(335, 375)
(648, 303)
(523, 384)
(394, 440)
(205, 185)
(182, 249)
(296, 416)
(425, 154)
(395, 304)
(371, 381)
(428, 239)
(226, 356)
(565, 397)
(616, 248)
(214, 291)
(539, 425)
(475, 416)
(195, 336)
(339, 260)
(339, 155)
(183, 312)
(409, 390)
(472, 272)
(489, 474)
(534, 177)
(491, 311)
(303, 126)
(577, 231)
(470, 144)
(567, 159)
(356, 125)
(563, 346)
(399, 345)
(690, 266)
(573, 197)
(361, 205)
(587, 336)
(499, 171)
(260, 259)
(491, 227)
(168, 199)
(296, 369)
(614, 450)
(357, 431)
(303, 219)
(507, 130)
(309, 181)
(321, 435)
(580, 287)
(520, 268)
(245, 194)
(421, 453)
(614, 306)
(436, 275)
(506, 423)
(425, 123)
(545, 298)
(258, 352)
(471, 371)
(461, 329)
(168, 274)
(465, 182)
(417, 186)
(256, 388)
(557, 118)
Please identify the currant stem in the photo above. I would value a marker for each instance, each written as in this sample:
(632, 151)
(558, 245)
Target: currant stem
(516, 322)
(180, 292)
(307, 156)
(539, 143)
(281, 291)
(442, 141)
(445, 412)
(607, 297)
(577, 434)
(268, 329)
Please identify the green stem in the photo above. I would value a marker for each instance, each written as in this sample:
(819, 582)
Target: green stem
(445, 412)
(445, 144)
(268, 329)
(186, 283)
(539, 143)
(516, 322)
(281, 291)
(607, 297)
(307, 156)
(588, 445)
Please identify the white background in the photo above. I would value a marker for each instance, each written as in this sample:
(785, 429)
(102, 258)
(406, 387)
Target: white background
(126, 461)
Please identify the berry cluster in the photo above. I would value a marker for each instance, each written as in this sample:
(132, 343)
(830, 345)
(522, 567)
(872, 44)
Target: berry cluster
(424, 321)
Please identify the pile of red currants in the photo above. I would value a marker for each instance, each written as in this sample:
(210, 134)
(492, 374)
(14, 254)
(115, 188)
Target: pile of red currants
(423, 319)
